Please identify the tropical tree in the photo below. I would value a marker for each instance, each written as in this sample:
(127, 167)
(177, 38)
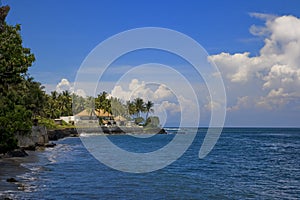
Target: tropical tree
(15, 114)
(54, 95)
(50, 108)
(102, 102)
(34, 97)
(65, 103)
(139, 106)
(117, 107)
(89, 105)
(131, 109)
(149, 108)
(77, 103)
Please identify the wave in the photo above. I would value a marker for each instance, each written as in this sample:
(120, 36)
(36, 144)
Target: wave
(172, 129)
(90, 134)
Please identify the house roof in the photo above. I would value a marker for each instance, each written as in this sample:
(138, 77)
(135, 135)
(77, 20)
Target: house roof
(97, 112)
(102, 113)
(86, 113)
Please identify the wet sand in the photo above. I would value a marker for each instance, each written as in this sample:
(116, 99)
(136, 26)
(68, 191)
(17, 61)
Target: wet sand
(12, 168)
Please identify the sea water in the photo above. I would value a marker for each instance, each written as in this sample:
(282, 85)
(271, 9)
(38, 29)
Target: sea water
(246, 163)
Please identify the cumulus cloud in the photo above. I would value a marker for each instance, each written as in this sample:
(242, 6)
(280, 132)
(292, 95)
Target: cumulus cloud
(274, 74)
(64, 84)
(150, 91)
(166, 102)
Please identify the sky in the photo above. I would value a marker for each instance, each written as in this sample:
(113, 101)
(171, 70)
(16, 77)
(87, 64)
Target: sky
(254, 44)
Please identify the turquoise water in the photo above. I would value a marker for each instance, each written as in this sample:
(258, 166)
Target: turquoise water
(246, 163)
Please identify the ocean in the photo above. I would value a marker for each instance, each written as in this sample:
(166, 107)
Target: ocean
(246, 163)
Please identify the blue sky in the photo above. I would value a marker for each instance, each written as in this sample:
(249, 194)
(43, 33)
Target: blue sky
(62, 33)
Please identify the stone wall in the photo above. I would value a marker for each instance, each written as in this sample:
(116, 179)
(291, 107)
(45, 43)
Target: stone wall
(38, 136)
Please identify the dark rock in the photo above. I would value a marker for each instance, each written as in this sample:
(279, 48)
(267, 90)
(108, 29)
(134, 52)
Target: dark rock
(155, 131)
(105, 129)
(50, 145)
(162, 131)
(30, 148)
(17, 153)
(11, 180)
(61, 133)
(117, 130)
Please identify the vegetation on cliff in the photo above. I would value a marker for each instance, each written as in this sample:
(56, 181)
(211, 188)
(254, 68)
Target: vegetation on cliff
(19, 93)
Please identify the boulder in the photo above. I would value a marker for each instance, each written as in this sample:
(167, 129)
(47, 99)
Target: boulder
(61, 133)
(17, 153)
(11, 180)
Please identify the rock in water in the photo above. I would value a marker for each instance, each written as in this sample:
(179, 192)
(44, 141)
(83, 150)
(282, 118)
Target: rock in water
(50, 145)
(17, 153)
(11, 180)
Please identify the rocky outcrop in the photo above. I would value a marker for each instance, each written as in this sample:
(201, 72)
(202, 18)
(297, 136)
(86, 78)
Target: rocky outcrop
(155, 131)
(16, 153)
(38, 136)
(62, 133)
(11, 180)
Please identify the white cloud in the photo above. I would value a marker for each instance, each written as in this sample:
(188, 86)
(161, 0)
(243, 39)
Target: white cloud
(162, 92)
(263, 16)
(242, 102)
(167, 104)
(270, 80)
(64, 84)
(212, 105)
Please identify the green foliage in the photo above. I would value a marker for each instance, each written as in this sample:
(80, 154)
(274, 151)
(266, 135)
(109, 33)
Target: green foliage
(20, 96)
(102, 102)
(78, 103)
(50, 123)
(7, 142)
(117, 107)
(139, 106)
(139, 120)
(152, 122)
(59, 104)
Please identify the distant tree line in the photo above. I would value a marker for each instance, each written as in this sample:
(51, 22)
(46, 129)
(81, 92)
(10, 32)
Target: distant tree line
(66, 104)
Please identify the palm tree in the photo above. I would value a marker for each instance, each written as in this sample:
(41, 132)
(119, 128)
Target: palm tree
(67, 100)
(117, 107)
(131, 108)
(90, 105)
(54, 95)
(139, 105)
(65, 103)
(77, 103)
(149, 108)
(51, 109)
(103, 103)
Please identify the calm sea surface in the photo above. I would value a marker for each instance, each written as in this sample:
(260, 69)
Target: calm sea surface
(246, 163)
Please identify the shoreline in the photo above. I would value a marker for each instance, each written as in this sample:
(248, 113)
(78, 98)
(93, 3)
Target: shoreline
(57, 134)
(12, 165)
(11, 173)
